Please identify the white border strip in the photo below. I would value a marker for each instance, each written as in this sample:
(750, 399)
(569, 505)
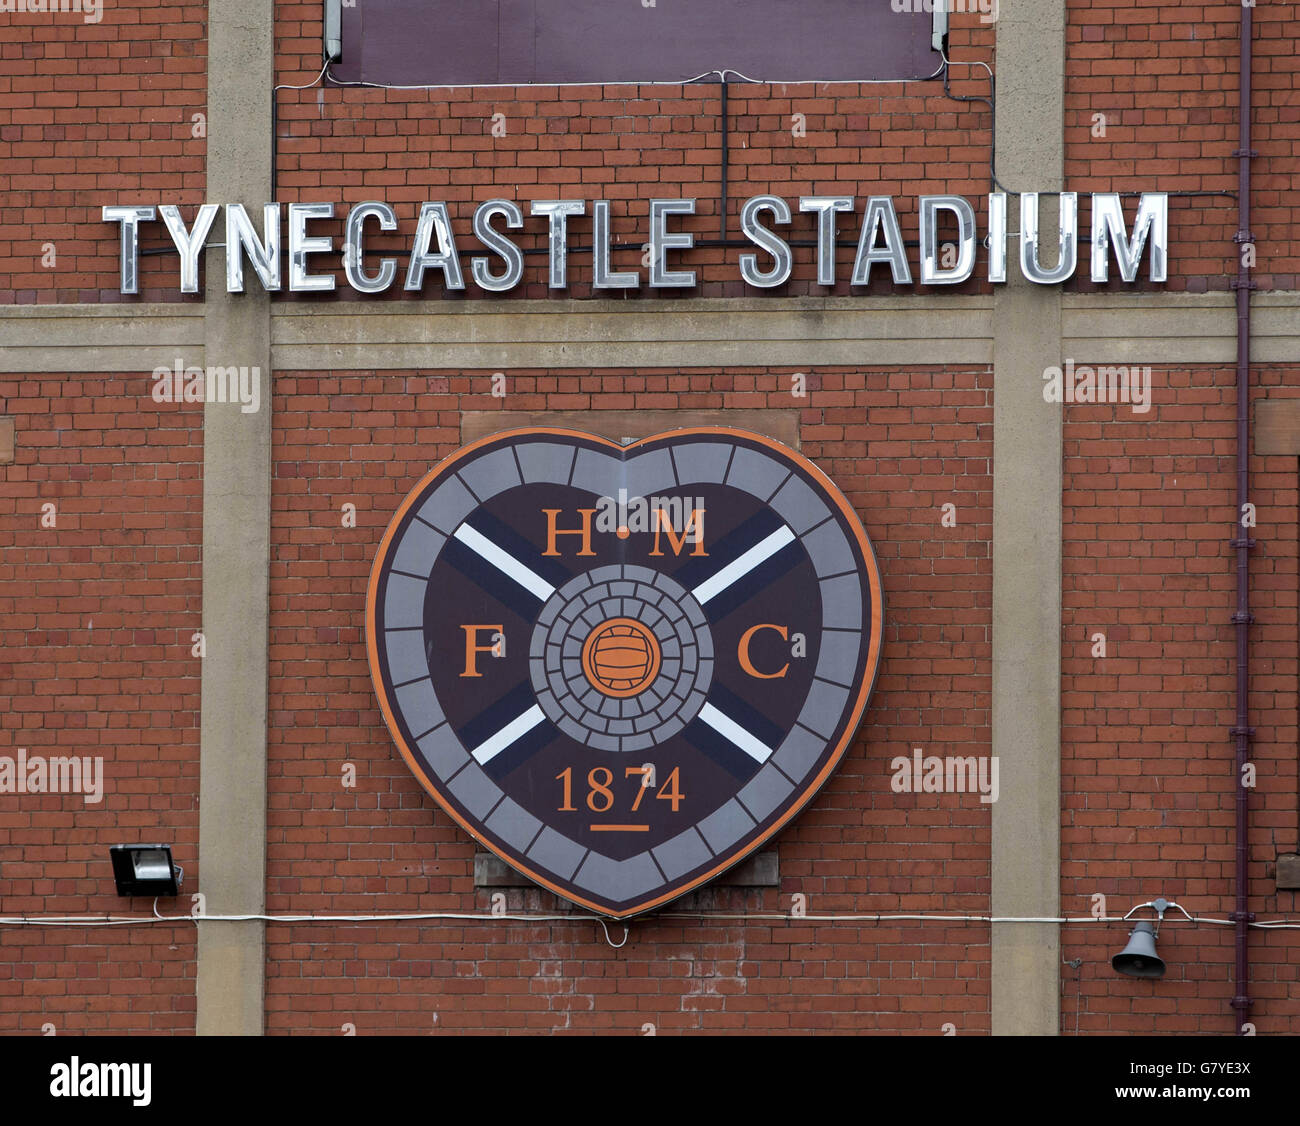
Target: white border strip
(729, 729)
(761, 551)
(506, 564)
(513, 731)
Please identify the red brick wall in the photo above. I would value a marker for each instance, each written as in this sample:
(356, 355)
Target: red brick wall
(101, 113)
(97, 616)
(1166, 77)
(900, 445)
(629, 144)
(94, 114)
(1148, 764)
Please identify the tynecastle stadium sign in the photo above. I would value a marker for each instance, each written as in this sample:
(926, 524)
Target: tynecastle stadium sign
(947, 241)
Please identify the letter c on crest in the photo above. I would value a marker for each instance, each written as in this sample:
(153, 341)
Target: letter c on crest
(742, 651)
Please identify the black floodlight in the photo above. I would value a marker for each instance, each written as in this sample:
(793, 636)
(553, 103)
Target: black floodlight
(145, 869)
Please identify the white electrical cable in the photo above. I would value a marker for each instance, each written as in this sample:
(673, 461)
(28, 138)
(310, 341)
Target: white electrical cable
(1058, 920)
(798, 81)
(627, 930)
(131, 920)
(309, 85)
(636, 81)
(965, 62)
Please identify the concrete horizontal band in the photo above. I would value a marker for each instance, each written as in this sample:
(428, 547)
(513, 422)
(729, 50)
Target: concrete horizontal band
(1177, 328)
(1155, 328)
(78, 338)
(705, 332)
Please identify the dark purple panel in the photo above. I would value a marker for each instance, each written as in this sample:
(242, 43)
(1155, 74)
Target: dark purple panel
(517, 42)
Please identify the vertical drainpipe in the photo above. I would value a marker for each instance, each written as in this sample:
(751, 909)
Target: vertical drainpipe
(1241, 540)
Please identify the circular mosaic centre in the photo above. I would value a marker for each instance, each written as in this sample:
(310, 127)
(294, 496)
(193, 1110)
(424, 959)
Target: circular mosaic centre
(621, 658)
